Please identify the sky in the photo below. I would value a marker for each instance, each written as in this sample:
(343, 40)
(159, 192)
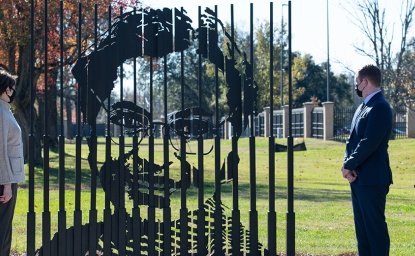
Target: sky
(309, 25)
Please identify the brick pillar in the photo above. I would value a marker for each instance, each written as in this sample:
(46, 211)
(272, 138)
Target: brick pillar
(285, 121)
(117, 130)
(308, 109)
(161, 126)
(328, 120)
(226, 129)
(267, 122)
(410, 122)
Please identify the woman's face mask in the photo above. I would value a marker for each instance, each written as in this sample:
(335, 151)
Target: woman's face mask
(11, 97)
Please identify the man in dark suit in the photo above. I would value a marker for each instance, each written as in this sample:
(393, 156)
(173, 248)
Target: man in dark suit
(366, 164)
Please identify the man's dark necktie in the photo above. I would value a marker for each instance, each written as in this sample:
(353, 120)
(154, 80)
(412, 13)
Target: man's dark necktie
(357, 115)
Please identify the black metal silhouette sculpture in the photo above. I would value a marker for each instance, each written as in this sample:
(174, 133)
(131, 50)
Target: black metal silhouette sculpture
(149, 33)
(97, 71)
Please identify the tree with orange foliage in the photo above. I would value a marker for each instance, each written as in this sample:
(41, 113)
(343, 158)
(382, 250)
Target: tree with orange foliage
(15, 23)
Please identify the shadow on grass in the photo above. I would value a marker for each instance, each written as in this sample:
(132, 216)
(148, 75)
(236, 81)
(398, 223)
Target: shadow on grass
(70, 177)
(262, 190)
(70, 174)
(306, 194)
(306, 254)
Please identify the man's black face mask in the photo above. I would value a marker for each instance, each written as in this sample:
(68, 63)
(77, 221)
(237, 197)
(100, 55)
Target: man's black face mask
(356, 88)
(358, 92)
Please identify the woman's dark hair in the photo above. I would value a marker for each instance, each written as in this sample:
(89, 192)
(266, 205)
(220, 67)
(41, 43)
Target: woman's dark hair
(6, 80)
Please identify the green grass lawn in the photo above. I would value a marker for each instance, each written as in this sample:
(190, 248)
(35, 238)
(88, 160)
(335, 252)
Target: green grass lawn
(324, 220)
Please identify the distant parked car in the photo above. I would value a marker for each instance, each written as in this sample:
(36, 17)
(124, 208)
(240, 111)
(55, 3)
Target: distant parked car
(397, 132)
(343, 131)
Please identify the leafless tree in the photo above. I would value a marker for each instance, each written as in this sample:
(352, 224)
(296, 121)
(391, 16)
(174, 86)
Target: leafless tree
(397, 81)
(408, 75)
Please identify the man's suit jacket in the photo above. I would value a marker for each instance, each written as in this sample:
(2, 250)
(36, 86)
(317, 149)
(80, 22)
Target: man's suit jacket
(367, 146)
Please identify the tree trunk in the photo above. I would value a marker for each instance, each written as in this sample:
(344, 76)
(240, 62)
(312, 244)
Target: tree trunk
(23, 106)
(12, 58)
(68, 108)
(52, 112)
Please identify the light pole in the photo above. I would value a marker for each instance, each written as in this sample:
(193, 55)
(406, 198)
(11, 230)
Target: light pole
(328, 53)
(282, 55)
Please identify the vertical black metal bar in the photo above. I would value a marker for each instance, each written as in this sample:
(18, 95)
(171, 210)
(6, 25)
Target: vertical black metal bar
(121, 211)
(218, 240)
(253, 214)
(236, 216)
(184, 227)
(136, 204)
(77, 212)
(272, 216)
(166, 137)
(151, 203)
(62, 211)
(46, 212)
(290, 154)
(201, 230)
(92, 157)
(108, 176)
(31, 215)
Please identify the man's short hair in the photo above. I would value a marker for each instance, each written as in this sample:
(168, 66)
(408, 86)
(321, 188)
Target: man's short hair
(372, 73)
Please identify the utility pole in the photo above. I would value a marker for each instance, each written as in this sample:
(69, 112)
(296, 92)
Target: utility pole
(328, 54)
